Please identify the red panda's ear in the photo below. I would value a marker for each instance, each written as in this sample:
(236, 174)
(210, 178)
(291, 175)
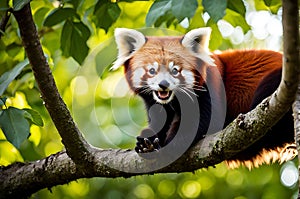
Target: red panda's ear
(197, 41)
(128, 42)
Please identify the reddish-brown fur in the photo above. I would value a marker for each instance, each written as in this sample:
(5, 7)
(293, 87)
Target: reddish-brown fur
(242, 71)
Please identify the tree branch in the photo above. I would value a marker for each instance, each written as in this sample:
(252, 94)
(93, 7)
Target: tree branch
(23, 179)
(291, 46)
(111, 163)
(291, 67)
(76, 146)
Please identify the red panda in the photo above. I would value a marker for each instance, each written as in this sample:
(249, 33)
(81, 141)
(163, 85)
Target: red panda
(179, 75)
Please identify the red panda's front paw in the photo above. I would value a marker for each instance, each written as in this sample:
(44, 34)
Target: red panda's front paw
(146, 145)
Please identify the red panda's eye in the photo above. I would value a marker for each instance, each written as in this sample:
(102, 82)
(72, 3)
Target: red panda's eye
(175, 71)
(152, 71)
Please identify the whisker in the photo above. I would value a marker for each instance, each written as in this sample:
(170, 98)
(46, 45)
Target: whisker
(190, 91)
(184, 91)
(145, 90)
(195, 87)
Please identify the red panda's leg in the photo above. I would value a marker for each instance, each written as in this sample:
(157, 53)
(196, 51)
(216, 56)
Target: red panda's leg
(152, 138)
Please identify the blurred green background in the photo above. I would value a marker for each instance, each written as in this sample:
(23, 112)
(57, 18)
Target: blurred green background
(110, 116)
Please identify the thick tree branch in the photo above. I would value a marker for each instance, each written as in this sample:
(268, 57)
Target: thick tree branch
(111, 163)
(23, 179)
(75, 144)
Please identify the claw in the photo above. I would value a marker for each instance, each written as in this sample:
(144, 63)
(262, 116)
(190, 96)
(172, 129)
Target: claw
(147, 142)
(156, 142)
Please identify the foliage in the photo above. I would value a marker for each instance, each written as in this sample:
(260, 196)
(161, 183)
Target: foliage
(75, 37)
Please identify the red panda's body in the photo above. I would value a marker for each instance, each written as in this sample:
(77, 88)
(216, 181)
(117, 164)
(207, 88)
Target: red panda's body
(242, 71)
(179, 74)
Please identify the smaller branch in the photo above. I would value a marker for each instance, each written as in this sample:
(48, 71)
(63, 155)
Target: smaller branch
(291, 48)
(76, 146)
(4, 22)
(290, 69)
(291, 61)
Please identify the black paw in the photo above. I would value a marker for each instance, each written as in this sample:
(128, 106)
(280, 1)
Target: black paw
(146, 145)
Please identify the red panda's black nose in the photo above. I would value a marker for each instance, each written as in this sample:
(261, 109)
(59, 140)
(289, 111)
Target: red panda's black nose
(164, 84)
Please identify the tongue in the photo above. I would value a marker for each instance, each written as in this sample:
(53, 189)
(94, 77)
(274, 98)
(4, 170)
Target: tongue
(163, 94)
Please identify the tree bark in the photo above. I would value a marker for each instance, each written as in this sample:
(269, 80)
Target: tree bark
(290, 22)
(83, 161)
(76, 146)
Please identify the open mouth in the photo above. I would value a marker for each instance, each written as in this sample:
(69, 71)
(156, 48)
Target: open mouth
(163, 96)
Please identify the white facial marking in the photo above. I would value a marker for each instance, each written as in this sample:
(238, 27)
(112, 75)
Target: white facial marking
(136, 77)
(171, 64)
(188, 77)
(154, 65)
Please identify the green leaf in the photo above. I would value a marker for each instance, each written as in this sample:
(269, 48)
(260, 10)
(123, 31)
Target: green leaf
(168, 17)
(106, 13)
(215, 8)
(182, 9)
(130, 1)
(4, 5)
(75, 3)
(2, 101)
(33, 117)
(13, 49)
(73, 40)
(260, 5)
(216, 38)
(157, 10)
(40, 15)
(235, 19)
(273, 5)
(9, 76)
(59, 15)
(19, 4)
(237, 6)
(197, 21)
(14, 126)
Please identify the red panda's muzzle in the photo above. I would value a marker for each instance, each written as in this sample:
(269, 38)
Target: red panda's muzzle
(163, 95)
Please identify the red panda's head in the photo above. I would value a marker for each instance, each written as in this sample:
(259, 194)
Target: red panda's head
(162, 66)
